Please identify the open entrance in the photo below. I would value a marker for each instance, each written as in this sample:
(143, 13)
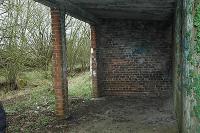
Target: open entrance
(78, 45)
(129, 58)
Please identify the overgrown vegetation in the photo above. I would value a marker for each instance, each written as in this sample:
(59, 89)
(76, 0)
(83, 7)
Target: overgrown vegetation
(197, 26)
(194, 61)
(26, 41)
(35, 109)
(26, 63)
(41, 91)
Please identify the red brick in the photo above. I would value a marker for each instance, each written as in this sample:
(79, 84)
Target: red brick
(94, 63)
(57, 63)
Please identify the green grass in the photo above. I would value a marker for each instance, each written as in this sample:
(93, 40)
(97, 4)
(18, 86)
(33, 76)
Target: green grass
(80, 86)
(197, 111)
(43, 94)
(38, 95)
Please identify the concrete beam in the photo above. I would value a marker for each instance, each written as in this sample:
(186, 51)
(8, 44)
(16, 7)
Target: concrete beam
(71, 9)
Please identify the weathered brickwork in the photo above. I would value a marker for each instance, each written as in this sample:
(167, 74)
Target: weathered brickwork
(134, 58)
(59, 58)
(95, 91)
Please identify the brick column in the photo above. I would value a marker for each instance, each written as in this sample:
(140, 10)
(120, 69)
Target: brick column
(59, 62)
(95, 91)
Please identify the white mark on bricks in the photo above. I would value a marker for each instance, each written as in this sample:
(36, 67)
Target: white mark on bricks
(92, 50)
(94, 73)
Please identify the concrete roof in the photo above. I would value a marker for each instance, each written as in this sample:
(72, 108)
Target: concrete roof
(94, 10)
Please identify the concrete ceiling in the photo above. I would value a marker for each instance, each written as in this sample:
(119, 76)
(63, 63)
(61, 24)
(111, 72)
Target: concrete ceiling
(92, 11)
(129, 9)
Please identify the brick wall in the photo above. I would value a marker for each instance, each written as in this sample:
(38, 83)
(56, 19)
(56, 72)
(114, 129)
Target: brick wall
(134, 58)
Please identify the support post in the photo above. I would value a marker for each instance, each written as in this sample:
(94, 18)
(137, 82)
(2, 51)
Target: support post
(95, 91)
(59, 62)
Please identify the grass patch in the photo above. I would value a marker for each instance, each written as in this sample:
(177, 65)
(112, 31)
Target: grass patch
(197, 111)
(80, 86)
(31, 105)
(43, 94)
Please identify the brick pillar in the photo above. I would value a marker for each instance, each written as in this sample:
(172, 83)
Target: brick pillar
(59, 62)
(95, 90)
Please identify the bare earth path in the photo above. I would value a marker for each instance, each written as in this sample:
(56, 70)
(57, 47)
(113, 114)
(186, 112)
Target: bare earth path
(123, 115)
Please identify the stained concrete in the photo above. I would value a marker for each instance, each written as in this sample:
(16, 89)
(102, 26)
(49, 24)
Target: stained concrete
(93, 11)
(131, 9)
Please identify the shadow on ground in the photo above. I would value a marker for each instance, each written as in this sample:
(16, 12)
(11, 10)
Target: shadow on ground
(119, 115)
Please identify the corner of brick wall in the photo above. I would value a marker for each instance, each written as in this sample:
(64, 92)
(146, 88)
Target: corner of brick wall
(134, 58)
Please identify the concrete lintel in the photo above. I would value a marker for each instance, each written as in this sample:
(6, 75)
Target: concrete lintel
(72, 10)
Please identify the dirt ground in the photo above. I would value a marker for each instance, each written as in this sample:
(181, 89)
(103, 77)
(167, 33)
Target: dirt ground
(119, 115)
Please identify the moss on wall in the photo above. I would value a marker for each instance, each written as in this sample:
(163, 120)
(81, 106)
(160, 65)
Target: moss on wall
(187, 66)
